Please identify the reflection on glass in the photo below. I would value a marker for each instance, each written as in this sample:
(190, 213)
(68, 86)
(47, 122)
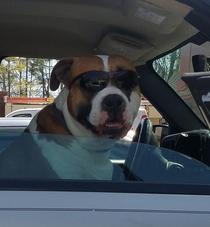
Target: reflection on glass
(40, 156)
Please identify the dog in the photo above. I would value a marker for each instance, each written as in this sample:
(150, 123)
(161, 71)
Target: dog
(100, 99)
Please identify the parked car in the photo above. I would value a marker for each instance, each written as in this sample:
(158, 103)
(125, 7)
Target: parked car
(14, 124)
(166, 185)
(27, 112)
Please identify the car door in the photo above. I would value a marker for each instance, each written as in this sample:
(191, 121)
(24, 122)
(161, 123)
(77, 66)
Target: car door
(146, 190)
(48, 208)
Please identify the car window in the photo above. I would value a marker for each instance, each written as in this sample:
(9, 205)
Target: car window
(29, 156)
(12, 128)
(172, 66)
(7, 137)
(22, 115)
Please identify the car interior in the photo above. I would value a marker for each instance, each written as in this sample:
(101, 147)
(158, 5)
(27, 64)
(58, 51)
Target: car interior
(141, 30)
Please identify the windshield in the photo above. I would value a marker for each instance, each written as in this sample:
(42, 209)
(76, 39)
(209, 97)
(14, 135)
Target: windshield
(40, 156)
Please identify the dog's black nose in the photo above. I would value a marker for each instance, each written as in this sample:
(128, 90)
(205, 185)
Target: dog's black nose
(113, 102)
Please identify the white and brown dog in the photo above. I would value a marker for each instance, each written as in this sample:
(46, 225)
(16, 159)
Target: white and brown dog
(100, 99)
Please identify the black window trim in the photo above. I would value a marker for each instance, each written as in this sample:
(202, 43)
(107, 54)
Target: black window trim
(102, 186)
(180, 115)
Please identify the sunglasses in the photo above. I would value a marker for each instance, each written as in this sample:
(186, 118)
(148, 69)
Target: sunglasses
(98, 80)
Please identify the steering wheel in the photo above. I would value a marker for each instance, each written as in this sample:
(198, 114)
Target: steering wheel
(144, 133)
(148, 163)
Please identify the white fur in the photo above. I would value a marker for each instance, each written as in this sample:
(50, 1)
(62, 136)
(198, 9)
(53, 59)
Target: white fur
(131, 107)
(74, 126)
(83, 159)
(105, 59)
(76, 161)
(130, 110)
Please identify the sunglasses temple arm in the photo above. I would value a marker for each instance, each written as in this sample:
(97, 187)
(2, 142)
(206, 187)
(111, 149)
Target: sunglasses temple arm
(75, 78)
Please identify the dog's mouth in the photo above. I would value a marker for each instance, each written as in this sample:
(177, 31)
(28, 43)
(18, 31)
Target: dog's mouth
(114, 129)
(112, 125)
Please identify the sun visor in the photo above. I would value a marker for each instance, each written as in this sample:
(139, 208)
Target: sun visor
(120, 44)
(151, 16)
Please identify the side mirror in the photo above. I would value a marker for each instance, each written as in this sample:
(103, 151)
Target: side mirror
(201, 63)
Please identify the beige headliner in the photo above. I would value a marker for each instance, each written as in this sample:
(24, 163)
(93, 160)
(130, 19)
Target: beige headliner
(56, 29)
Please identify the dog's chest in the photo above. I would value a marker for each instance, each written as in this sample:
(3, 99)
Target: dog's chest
(75, 162)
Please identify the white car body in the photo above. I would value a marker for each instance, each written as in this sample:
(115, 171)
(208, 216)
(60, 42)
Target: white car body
(41, 208)
(27, 112)
(14, 124)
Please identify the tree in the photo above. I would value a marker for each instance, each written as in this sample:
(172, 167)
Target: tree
(40, 69)
(26, 76)
(10, 69)
(168, 65)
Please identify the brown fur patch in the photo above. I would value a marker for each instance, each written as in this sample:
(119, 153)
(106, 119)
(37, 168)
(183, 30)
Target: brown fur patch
(75, 98)
(85, 64)
(81, 65)
(116, 62)
(47, 123)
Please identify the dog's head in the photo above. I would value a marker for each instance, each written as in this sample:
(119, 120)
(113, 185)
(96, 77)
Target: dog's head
(104, 95)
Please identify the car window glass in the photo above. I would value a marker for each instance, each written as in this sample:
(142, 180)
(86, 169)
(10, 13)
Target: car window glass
(8, 137)
(172, 66)
(15, 129)
(22, 115)
(32, 156)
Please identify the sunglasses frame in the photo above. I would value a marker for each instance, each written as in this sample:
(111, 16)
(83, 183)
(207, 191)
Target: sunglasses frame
(110, 74)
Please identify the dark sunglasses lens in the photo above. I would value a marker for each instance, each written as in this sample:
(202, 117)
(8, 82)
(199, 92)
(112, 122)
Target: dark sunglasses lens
(127, 79)
(94, 80)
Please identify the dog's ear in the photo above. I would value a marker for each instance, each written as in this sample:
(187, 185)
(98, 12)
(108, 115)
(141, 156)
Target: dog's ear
(60, 73)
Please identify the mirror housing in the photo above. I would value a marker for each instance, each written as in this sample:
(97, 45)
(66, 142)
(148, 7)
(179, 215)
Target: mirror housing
(201, 63)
